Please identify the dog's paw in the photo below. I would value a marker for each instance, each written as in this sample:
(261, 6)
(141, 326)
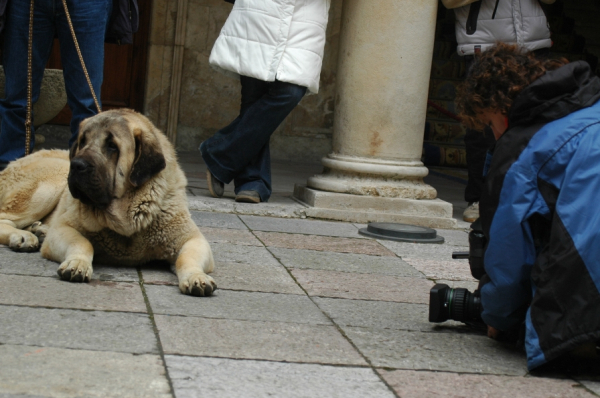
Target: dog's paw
(23, 241)
(198, 284)
(75, 270)
(40, 230)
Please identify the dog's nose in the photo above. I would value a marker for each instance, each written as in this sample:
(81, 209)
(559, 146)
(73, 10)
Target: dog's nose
(80, 165)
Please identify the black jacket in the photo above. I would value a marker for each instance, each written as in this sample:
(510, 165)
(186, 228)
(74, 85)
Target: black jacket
(124, 22)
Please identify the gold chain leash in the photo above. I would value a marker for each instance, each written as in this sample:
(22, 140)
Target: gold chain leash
(30, 78)
(29, 82)
(81, 57)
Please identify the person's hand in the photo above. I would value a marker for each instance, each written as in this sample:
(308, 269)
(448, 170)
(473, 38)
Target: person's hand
(492, 332)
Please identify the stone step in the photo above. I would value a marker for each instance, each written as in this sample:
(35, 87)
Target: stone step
(432, 213)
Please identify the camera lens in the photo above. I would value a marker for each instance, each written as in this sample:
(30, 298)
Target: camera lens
(457, 304)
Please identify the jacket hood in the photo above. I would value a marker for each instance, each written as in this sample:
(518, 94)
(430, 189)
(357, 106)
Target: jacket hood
(556, 94)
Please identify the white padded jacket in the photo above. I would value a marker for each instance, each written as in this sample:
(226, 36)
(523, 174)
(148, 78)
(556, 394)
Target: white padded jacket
(274, 39)
(520, 22)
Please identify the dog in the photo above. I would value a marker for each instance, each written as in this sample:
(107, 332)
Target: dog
(125, 203)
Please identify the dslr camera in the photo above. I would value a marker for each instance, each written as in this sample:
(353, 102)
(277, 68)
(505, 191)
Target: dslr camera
(460, 304)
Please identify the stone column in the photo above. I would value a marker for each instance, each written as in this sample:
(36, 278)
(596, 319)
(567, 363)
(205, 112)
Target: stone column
(374, 172)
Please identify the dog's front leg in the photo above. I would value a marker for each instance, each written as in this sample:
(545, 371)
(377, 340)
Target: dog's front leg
(67, 246)
(17, 239)
(194, 261)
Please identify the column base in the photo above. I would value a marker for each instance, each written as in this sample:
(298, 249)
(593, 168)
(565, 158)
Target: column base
(373, 177)
(432, 213)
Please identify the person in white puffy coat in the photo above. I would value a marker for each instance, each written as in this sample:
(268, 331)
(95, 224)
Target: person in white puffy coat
(275, 47)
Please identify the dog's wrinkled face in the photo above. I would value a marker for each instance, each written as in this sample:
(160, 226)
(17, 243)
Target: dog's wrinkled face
(116, 151)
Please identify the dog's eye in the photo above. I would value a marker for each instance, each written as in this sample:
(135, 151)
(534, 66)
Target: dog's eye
(112, 146)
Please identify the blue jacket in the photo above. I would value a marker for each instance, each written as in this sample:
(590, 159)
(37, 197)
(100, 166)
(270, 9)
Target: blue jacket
(540, 213)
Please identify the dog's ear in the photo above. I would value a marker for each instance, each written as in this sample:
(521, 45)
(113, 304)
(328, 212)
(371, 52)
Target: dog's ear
(75, 145)
(149, 159)
(73, 149)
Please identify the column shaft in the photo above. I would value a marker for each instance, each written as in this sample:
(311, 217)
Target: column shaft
(382, 87)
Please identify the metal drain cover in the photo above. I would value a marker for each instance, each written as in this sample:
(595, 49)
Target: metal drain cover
(401, 232)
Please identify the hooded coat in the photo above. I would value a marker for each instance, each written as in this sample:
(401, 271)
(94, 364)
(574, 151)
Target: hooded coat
(274, 39)
(539, 211)
(481, 24)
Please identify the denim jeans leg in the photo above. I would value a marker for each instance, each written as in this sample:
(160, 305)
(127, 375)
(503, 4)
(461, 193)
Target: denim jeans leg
(89, 19)
(243, 154)
(13, 107)
(256, 176)
(252, 91)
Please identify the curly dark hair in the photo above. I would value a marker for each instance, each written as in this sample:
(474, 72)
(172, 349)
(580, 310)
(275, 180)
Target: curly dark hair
(497, 76)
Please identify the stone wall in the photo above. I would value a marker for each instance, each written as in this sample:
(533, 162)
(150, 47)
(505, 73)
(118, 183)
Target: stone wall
(209, 100)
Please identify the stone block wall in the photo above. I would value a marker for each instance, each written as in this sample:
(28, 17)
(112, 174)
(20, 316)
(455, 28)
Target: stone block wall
(209, 100)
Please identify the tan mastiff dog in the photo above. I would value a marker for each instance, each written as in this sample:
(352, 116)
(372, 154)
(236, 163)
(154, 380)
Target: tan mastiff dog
(125, 203)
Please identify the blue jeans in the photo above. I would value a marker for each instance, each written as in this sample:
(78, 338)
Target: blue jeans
(90, 18)
(240, 151)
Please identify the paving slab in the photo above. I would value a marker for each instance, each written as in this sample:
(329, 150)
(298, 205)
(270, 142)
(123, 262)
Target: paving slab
(422, 250)
(382, 315)
(364, 286)
(255, 278)
(451, 352)
(226, 378)
(454, 270)
(275, 341)
(58, 373)
(593, 386)
(74, 329)
(345, 262)
(408, 383)
(34, 264)
(267, 278)
(469, 285)
(16, 263)
(238, 305)
(52, 292)
(454, 237)
(307, 227)
(224, 252)
(217, 220)
(278, 206)
(233, 236)
(323, 243)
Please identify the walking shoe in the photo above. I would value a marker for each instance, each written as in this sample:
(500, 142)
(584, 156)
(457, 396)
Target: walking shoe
(471, 212)
(215, 187)
(248, 197)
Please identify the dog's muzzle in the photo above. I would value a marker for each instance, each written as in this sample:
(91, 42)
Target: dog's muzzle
(85, 184)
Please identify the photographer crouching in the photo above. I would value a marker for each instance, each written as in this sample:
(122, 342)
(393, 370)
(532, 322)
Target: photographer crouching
(539, 209)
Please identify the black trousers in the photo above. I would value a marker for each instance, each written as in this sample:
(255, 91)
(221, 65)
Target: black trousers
(477, 144)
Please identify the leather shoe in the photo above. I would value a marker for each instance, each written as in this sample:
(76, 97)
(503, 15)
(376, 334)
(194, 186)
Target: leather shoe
(215, 187)
(247, 197)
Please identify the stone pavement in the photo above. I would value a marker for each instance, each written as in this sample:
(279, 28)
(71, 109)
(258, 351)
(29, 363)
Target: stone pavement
(305, 308)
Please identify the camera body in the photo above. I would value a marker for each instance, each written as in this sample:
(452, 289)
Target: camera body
(476, 251)
(460, 304)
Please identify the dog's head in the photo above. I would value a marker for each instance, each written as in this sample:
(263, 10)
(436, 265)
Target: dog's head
(116, 151)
